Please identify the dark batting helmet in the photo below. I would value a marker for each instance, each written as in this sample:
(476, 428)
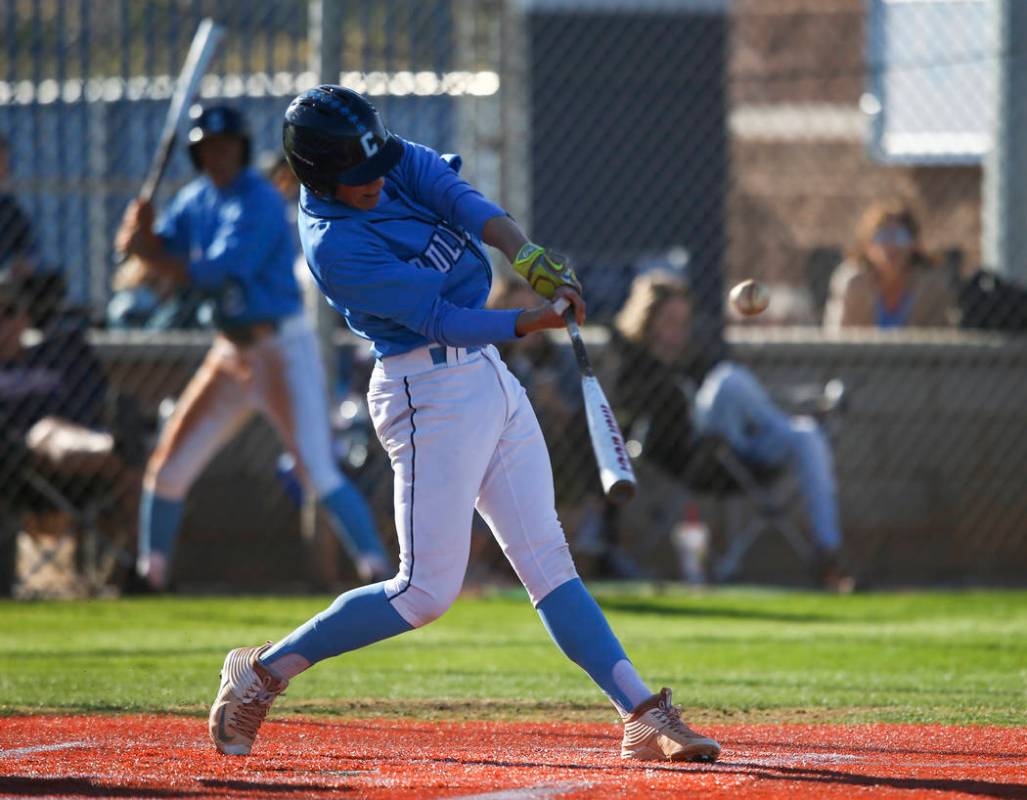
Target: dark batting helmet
(216, 121)
(333, 135)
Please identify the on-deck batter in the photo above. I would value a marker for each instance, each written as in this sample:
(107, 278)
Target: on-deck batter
(393, 236)
(227, 233)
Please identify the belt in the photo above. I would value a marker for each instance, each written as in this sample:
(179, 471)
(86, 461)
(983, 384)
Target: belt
(443, 355)
(248, 334)
(427, 358)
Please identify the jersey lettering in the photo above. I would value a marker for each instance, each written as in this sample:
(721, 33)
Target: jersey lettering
(445, 247)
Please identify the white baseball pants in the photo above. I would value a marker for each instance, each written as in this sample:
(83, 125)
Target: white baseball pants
(461, 434)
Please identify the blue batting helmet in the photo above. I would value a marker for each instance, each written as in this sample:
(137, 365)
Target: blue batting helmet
(216, 121)
(333, 135)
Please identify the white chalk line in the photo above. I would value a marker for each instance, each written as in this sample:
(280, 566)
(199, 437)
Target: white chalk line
(541, 790)
(41, 748)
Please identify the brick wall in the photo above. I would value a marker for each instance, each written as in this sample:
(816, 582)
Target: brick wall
(796, 51)
(798, 190)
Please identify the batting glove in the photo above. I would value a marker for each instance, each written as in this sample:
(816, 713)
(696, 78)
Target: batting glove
(545, 271)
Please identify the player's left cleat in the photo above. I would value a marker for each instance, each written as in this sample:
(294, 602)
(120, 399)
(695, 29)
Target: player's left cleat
(247, 691)
(654, 731)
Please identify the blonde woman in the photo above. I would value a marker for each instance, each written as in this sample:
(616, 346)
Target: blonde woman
(729, 402)
(888, 280)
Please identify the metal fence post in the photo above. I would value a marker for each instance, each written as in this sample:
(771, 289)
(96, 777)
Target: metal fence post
(515, 163)
(98, 291)
(325, 42)
(325, 18)
(1004, 221)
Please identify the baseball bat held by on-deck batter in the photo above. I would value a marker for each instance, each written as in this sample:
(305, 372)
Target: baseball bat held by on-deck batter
(615, 472)
(204, 43)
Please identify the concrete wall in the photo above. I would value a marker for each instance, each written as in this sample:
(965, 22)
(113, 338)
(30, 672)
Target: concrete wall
(931, 459)
(932, 450)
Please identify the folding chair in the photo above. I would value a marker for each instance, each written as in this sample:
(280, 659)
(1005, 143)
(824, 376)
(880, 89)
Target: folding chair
(768, 494)
(99, 552)
(87, 499)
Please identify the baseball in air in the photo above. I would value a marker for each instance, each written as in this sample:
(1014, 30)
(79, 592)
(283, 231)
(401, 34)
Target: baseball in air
(750, 298)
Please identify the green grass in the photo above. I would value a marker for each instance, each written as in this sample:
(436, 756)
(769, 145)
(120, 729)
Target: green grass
(954, 657)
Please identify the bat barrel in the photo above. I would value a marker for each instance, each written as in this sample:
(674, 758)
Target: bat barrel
(615, 471)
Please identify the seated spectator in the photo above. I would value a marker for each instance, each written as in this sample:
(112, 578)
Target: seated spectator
(676, 395)
(52, 405)
(59, 375)
(18, 253)
(888, 281)
(145, 298)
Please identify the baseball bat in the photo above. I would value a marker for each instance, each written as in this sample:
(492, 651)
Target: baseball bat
(205, 42)
(615, 472)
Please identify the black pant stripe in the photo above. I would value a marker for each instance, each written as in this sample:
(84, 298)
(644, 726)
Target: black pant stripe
(413, 482)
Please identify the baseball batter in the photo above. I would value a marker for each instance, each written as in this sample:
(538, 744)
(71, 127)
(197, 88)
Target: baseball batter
(393, 236)
(227, 233)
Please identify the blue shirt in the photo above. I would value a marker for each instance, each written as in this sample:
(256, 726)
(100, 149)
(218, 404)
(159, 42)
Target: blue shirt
(411, 271)
(897, 317)
(238, 245)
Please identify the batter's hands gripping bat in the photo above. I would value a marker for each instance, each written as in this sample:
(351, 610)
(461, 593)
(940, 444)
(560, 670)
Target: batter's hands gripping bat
(205, 42)
(615, 472)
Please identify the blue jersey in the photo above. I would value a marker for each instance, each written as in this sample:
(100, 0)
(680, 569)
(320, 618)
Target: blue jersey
(239, 247)
(413, 270)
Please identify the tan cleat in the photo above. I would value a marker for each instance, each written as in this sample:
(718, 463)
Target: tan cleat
(247, 691)
(654, 731)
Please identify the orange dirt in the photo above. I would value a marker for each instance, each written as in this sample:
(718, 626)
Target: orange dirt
(164, 756)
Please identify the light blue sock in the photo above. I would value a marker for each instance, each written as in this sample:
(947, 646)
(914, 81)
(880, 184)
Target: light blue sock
(579, 628)
(354, 524)
(356, 619)
(159, 521)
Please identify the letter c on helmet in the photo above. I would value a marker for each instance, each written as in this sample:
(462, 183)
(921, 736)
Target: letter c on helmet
(368, 143)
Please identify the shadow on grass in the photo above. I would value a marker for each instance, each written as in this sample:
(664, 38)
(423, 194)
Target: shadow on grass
(642, 606)
(883, 691)
(105, 653)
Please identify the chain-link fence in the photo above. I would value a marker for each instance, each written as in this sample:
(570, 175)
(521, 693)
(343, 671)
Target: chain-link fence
(859, 158)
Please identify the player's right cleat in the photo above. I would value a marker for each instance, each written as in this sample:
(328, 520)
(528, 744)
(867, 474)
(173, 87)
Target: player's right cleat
(247, 691)
(654, 731)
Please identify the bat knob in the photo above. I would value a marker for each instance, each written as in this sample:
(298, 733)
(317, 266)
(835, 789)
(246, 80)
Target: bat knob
(621, 492)
(560, 305)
